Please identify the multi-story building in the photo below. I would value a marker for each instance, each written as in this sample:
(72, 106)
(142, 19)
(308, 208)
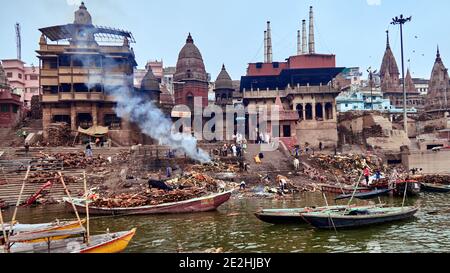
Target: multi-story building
(10, 104)
(23, 79)
(303, 85)
(77, 74)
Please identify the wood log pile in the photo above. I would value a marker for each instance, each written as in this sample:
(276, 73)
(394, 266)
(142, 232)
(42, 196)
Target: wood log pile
(46, 176)
(59, 134)
(215, 167)
(435, 179)
(195, 180)
(36, 108)
(77, 160)
(149, 198)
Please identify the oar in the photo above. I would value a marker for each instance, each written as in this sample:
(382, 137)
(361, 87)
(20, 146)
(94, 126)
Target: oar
(354, 192)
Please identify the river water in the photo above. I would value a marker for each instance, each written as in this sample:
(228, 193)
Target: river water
(234, 228)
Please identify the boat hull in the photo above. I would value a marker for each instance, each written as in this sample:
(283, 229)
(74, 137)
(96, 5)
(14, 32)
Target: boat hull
(116, 245)
(343, 190)
(293, 216)
(203, 204)
(348, 222)
(435, 188)
(365, 195)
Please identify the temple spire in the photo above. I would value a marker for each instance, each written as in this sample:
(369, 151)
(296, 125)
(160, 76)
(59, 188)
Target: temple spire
(388, 45)
(189, 39)
(438, 54)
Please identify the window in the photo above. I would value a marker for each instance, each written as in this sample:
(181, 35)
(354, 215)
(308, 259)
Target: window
(276, 65)
(33, 77)
(4, 108)
(9, 74)
(15, 108)
(258, 65)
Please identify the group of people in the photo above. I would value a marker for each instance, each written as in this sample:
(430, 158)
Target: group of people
(237, 149)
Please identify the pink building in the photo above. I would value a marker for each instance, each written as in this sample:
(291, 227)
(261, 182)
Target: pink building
(24, 80)
(157, 69)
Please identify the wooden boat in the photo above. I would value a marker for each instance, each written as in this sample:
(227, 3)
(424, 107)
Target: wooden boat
(355, 218)
(435, 187)
(399, 187)
(104, 243)
(365, 195)
(202, 204)
(344, 189)
(42, 228)
(294, 215)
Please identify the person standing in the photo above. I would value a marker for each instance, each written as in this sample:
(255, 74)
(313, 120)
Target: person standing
(89, 152)
(296, 164)
(320, 146)
(234, 150)
(366, 173)
(27, 148)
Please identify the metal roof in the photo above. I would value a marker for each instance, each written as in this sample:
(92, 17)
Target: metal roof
(292, 77)
(105, 34)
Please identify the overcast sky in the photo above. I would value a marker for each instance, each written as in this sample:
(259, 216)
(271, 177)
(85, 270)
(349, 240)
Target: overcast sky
(232, 31)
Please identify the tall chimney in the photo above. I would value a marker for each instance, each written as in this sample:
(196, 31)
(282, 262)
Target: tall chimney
(299, 43)
(304, 46)
(269, 43)
(265, 46)
(312, 49)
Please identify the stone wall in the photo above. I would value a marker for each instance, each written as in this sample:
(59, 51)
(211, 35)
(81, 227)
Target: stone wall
(431, 162)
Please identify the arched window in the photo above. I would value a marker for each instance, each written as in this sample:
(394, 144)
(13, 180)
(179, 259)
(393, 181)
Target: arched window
(300, 111)
(308, 111)
(328, 110)
(319, 111)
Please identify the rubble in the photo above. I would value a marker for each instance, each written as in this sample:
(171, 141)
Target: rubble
(36, 108)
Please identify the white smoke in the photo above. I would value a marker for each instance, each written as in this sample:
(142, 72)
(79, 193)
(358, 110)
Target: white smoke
(152, 121)
(137, 108)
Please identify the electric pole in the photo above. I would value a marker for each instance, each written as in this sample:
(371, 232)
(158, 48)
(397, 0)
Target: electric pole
(401, 21)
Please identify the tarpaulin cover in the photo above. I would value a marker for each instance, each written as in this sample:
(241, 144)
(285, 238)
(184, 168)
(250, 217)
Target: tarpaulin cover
(94, 131)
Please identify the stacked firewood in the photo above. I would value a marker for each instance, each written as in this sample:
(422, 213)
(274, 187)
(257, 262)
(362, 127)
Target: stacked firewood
(193, 180)
(77, 160)
(36, 108)
(59, 134)
(150, 197)
(44, 177)
(435, 179)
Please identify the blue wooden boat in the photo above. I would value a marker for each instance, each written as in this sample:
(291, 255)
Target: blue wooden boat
(294, 215)
(365, 195)
(358, 217)
(435, 188)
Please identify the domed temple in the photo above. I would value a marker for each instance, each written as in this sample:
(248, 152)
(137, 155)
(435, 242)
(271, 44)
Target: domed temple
(224, 88)
(150, 87)
(190, 79)
(438, 92)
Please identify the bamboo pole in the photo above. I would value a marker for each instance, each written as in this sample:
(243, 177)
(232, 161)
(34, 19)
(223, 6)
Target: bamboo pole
(87, 208)
(70, 198)
(20, 197)
(3, 227)
(354, 192)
